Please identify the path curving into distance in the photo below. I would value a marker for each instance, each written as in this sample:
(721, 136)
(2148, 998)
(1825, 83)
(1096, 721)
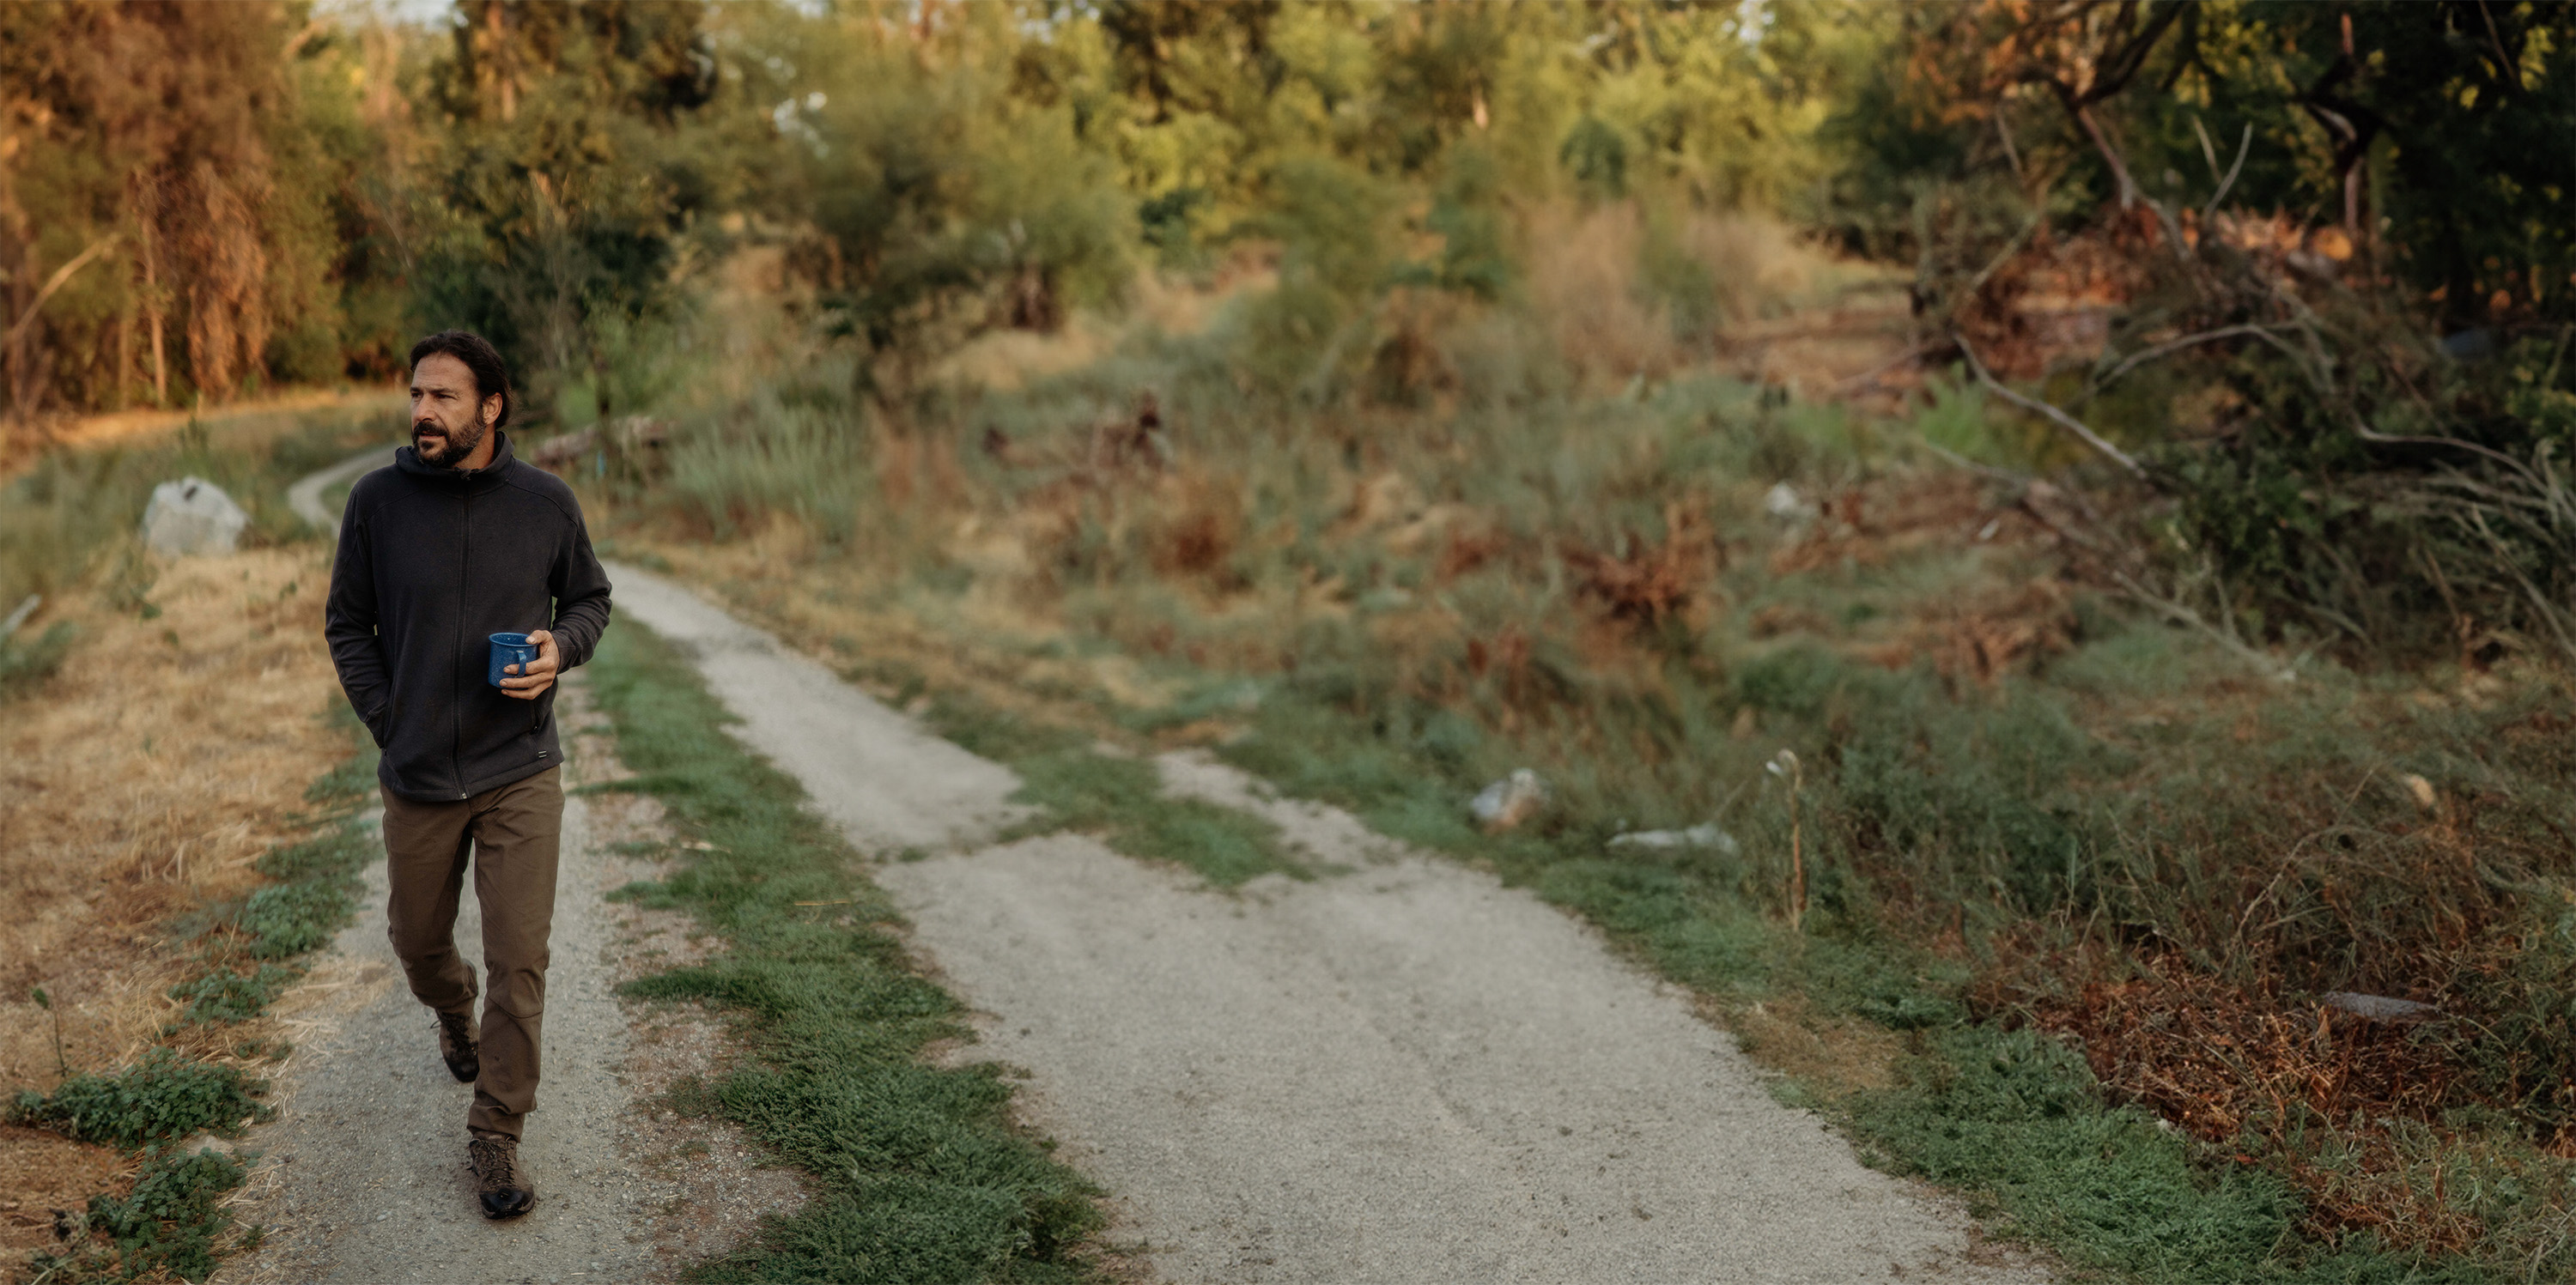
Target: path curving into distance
(304, 498)
(1404, 1073)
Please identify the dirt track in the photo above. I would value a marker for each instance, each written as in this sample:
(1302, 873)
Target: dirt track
(1405, 1073)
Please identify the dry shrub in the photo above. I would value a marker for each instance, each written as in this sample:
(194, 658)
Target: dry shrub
(1198, 521)
(1647, 584)
(2326, 1091)
(2220, 1060)
(1757, 264)
(1990, 633)
(1884, 520)
(1410, 366)
(1583, 282)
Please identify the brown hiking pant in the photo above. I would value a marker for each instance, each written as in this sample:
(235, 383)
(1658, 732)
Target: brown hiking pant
(513, 832)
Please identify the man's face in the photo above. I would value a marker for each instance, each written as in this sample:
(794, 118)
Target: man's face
(447, 419)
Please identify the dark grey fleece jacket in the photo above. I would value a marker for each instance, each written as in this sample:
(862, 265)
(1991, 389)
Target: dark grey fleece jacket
(432, 562)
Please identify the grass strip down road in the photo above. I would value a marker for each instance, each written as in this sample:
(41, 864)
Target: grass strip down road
(922, 1177)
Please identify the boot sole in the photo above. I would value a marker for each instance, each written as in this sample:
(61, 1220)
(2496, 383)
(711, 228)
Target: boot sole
(505, 1216)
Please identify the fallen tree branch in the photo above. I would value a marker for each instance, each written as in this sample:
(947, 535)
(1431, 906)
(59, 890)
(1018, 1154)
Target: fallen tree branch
(2178, 613)
(2048, 412)
(2173, 346)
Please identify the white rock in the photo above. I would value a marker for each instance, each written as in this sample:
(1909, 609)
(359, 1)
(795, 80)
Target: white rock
(1508, 802)
(191, 517)
(1784, 502)
(1704, 835)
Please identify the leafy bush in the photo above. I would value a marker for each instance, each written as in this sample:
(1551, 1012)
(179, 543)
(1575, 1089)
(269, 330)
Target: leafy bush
(172, 1219)
(291, 919)
(162, 1096)
(227, 996)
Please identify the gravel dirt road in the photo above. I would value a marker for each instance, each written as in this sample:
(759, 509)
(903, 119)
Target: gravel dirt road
(1403, 1073)
(365, 1179)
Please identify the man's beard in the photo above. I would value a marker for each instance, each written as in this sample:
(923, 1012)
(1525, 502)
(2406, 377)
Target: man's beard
(458, 447)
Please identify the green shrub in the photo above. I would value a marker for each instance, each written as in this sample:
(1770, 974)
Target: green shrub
(163, 1096)
(172, 1219)
(293, 918)
(227, 996)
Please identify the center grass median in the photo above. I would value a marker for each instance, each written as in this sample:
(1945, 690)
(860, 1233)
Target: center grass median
(921, 1175)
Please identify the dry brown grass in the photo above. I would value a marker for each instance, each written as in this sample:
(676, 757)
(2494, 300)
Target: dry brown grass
(141, 782)
(1585, 285)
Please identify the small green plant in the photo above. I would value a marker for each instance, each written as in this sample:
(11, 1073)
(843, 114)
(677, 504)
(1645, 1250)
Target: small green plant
(291, 919)
(171, 1220)
(228, 996)
(163, 1096)
(46, 1002)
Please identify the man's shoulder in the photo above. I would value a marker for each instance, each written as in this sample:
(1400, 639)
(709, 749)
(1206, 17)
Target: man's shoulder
(528, 478)
(375, 485)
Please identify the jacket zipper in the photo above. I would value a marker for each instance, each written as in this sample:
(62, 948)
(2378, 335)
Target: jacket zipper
(456, 701)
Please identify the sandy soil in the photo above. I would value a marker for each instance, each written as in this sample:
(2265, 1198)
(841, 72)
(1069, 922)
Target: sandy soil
(1402, 1073)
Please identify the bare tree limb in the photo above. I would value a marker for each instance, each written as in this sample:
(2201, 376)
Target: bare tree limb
(2048, 412)
(52, 284)
(2173, 346)
(2242, 150)
(2175, 611)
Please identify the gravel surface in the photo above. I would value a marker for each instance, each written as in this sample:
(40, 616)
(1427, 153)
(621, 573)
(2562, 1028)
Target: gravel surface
(363, 1177)
(1406, 1072)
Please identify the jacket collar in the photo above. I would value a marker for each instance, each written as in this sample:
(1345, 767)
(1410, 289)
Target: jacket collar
(464, 480)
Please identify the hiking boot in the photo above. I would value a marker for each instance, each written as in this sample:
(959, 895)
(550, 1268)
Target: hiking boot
(458, 1047)
(505, 1192)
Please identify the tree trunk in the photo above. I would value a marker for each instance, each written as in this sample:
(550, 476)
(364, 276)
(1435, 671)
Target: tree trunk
(147, 215)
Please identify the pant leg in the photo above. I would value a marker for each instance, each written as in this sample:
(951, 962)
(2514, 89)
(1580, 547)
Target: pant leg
(518, 833)
(425, 846)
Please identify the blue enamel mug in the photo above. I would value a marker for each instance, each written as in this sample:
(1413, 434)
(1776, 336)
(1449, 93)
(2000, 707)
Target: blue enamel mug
(510, 649)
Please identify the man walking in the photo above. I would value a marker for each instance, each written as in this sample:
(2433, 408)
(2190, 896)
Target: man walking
(458, 541)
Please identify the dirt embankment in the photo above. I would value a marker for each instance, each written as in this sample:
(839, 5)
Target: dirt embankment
(140, 782)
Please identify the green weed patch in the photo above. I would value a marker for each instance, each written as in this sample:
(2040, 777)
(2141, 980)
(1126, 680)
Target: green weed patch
(1118, 799)
(162, 1096)
(922, 1178)
(170, 1222)
(227, 996)
(1122, 801)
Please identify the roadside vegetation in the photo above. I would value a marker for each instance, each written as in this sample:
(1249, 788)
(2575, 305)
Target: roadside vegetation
(171, 854)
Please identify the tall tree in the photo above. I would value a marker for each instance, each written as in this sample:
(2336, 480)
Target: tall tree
(566, 175)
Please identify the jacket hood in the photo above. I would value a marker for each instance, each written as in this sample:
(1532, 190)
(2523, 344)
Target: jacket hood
(407, 459)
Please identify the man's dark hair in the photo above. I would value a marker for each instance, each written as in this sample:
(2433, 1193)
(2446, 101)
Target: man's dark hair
(490, 374)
